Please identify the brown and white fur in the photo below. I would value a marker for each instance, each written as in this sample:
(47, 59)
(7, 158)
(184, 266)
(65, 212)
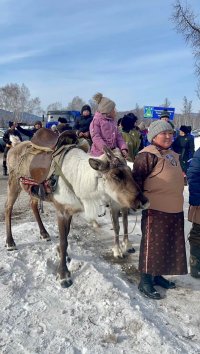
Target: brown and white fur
(120, 249)
(15, 140)
(91, 180)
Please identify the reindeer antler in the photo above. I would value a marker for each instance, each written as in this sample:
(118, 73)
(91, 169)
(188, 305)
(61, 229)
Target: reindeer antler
(109, 153)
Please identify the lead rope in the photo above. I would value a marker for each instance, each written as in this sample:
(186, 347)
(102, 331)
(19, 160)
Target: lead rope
(58, 172)
(129, 233)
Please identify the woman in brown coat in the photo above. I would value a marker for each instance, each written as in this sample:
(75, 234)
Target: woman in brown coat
(162, 251)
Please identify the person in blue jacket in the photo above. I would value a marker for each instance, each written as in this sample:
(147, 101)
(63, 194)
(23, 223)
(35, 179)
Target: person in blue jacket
(193, 177)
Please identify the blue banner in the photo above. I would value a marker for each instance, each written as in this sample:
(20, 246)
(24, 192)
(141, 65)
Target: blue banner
(155, 112)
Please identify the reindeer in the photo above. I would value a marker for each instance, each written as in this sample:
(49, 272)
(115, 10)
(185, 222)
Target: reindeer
(82, 184)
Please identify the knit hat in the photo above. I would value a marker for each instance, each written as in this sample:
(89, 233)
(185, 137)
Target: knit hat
(184, 129)
(156, 128)
(165, 114)
(105, 105)
(10, 124)
(86, 107)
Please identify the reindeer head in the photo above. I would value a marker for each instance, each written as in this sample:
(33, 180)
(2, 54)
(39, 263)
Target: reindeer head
(118, 181)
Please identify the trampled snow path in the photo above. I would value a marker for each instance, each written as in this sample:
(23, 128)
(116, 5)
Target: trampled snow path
(102, 312)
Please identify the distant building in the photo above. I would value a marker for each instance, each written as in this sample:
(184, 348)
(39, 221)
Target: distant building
(26, 118)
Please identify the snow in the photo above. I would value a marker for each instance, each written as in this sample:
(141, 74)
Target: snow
(102, 312)
(197, 142)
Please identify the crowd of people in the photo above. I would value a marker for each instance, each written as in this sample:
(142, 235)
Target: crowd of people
(163, 163)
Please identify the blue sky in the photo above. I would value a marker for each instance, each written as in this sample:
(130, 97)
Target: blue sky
(128, 50)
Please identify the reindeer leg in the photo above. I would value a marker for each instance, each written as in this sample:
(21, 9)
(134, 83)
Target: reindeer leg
(43, 232)
(13, 192)
(114, 212)
(126, 244)
(64, 221)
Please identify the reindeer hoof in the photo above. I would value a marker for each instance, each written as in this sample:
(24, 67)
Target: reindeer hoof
(94, 224)
(66, 283)
(12, 247)
(45, 237)
(121, 256)
(131, 250)
(117, 252)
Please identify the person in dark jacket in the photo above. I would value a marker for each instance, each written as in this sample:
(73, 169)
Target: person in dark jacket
(83, 123)
(184, 146)
(143, 131)
(131, 135)
(63, 125)
(6, 139)
(30, 132)
(165, 116)
(193, 177)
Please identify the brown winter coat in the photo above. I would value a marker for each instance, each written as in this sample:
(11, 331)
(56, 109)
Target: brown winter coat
(162, 248)
(164, 186)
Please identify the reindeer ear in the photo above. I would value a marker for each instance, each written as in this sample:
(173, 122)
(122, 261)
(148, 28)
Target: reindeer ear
(98, 165)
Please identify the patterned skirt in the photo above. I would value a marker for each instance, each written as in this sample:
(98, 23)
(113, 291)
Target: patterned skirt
(162, 249)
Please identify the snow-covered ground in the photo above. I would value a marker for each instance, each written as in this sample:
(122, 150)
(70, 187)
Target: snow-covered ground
(102, 312)
(197, 142)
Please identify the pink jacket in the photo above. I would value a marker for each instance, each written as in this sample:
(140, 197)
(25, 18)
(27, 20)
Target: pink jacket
(104, 132)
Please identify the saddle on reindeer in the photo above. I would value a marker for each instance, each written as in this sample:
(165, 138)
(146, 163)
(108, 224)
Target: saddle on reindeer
(85, 182)
(39, 167)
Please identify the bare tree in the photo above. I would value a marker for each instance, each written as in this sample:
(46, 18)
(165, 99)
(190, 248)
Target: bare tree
(187, 111)
(178, 120)
(34, 106)
(186, 24)
(93, 105)
(56, 106)
(166, 103)
(139, 112)
(17, 99)
(76, 104)
(198, 90)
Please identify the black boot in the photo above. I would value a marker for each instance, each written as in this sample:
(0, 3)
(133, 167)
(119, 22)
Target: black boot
(161, 281)
(195, 260)
(185, 181)
(5, 171)
(146, 287)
